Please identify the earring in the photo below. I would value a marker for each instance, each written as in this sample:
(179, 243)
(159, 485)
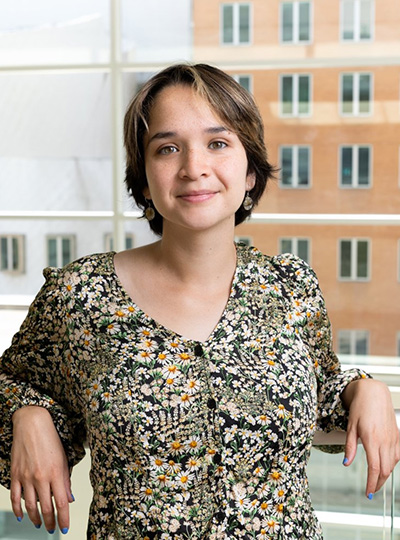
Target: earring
(248, 202)
(149, 212)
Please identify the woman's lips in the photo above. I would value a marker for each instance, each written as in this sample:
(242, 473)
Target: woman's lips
(197, 196)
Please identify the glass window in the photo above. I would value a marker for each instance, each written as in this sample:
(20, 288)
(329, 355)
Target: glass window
(12, 253)
(109, 241)
(60, 143)
(356, 20)
(295, 95)
(297, 246)
(236, 24)
(295, 166)
(48, 33)
(356, 94)
(295, 22)
(244, 80)
(355, 166)
(60, 250)
(354, 259)
(353, 342)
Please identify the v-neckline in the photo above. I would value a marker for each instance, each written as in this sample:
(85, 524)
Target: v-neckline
(165, 330)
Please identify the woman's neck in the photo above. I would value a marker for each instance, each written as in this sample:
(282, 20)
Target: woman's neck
(197, 258)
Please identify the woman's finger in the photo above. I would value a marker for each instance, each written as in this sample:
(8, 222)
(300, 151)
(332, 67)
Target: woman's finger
(60, 496)
(31, 505)
(15, 496)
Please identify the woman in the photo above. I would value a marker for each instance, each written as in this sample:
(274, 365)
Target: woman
(197, 369)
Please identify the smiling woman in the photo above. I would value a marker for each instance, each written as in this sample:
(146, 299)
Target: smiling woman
(198, 369)
(229, 105)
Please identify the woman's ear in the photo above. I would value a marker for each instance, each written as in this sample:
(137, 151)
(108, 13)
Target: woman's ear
(146, 193)
(250, 181)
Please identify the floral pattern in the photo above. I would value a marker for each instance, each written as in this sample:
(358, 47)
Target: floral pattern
(187, 439)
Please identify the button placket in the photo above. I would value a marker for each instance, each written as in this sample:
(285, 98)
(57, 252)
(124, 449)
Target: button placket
(214, 433)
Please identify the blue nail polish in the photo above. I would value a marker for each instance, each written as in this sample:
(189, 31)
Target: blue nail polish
(64, 530)
(73, 498)
(345, 461)
(38, 526)
(370, 496)
(51, 531)
(19, 518)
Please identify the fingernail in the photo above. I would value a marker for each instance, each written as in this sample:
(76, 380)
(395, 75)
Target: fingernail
(72, 497)
(64, 530)
(370, 496)
(19, 518)
(345, 461)
(38, 526)
(51, 531)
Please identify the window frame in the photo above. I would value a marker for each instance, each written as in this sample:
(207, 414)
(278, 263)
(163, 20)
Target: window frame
(295, 242)
(355, 170)
(20, 246)
(236, 24)
(356, 87)
(238, 76)
(354, 261)
(357, 22)
(59, 238)
(353, 333)
(295, 154)
(109, 241)
(296, 23)
(295, 91)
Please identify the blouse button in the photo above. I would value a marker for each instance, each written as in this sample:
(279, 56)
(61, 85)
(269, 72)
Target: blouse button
(198, 350)
(211, 403)
(220, 515)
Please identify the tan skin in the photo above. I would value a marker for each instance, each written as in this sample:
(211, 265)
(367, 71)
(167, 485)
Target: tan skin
(183, 281)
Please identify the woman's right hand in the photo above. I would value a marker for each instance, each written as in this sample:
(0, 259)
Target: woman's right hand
(39, 470)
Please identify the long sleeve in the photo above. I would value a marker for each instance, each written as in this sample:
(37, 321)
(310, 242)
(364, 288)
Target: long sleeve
(331, 378)
(34, 371)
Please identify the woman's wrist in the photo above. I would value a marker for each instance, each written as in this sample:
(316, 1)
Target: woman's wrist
(29, 411)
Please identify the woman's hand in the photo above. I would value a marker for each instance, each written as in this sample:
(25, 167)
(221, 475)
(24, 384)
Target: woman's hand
(372, 419)
(39, 469)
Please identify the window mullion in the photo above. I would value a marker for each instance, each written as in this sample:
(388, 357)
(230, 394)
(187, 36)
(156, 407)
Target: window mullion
(353, 251)
(295, 159)
(296, 21)
(354, 172)
(296, 94)
(356, 93)
(357, 20)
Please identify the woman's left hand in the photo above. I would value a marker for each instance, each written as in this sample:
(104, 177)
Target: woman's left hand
(373, 421)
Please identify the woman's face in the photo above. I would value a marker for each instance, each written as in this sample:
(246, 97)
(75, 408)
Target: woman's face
(196, 166)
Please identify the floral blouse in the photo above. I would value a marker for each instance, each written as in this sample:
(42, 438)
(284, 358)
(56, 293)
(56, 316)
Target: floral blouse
(188, 439)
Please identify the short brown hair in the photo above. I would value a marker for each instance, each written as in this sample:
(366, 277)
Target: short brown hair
(230, 101)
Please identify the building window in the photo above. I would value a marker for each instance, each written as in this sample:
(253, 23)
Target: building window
(295, 22)
(246, 81)
(355, 166)
(60, 250)
(12, 253)
(295, 166)
(297, 246)
(295, 95)
(354, 257)
(353, 342)
(246, 240)
(356, 94)
(235, 24)
(356, 21)
(109, 241)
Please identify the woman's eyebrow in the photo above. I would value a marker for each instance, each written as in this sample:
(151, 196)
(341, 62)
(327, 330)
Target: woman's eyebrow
(168, 134)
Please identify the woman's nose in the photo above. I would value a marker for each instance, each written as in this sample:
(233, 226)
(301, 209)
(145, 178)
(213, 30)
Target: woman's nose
(194, 164)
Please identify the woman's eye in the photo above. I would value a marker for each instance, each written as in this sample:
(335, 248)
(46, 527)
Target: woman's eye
(165, 150)
(217, 145)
